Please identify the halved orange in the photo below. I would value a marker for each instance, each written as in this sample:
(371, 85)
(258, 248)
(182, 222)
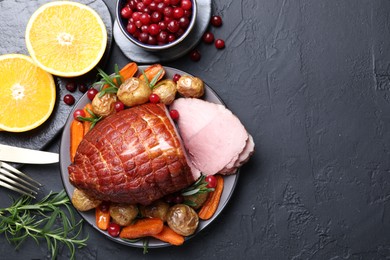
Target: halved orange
(65, 38)
(27, 93)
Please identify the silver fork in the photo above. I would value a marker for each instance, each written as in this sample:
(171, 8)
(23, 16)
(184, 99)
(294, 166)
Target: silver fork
(16, 180)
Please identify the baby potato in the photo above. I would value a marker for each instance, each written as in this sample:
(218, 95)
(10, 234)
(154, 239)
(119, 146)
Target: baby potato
(134, 92)
(157, 209)
(190, 87)
(166, 90)
(183, 219)
(105, 105)
(83, 202)
(123, 214)
(197, 199)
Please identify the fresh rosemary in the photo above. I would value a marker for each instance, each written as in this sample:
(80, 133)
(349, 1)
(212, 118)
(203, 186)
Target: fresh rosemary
(45, 220)
(93, 119)
(200, 186)
(108, 80)
(154, 80)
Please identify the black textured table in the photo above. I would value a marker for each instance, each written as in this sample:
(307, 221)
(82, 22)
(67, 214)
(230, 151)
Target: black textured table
(310, 80)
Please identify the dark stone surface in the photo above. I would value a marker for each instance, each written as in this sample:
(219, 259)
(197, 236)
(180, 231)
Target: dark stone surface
(310, 80)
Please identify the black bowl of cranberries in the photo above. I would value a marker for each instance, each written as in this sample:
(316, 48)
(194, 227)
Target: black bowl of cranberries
(156, 25)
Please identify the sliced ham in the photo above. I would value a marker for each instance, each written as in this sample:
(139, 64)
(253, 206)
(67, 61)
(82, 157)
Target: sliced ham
(215, 139)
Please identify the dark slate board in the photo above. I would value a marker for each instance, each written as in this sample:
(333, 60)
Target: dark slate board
(12, 40)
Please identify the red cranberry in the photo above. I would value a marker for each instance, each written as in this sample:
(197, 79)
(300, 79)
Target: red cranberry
(91, 93)
(152, 40)
(184, 22)
(162, 37)
(131, 28)
(168, 11)
(138, 24)
(167, 2)
(83, 88)
(71, 86)
(69, 99)
(153, 29)
(176, 77)
(178, 199)
(126, 12)
(154, 98)
(104, 206)
(219, 44)
(136, 16)
(119, 106)
(145, 28)
(153, 6)
(143, 37)
(162, 25)
(195, 55)
(175, 2)
(173, 26)
(78, 113)
(208, 37)
(113, 229)
(156, 17)
(174, 114)
(211, 181)
(140, 6)
(171, 37)
(132, 4)
(145, 19)
(160, 7)
(216, 20)
(187, 13)
(147, 2)
(178, 12)
(186, 4)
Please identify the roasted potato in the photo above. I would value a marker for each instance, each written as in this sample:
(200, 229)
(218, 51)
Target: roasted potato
(83, 202)
(197, 199)
(158, 209)
(134, 92)
(190, 87)
(166, 90)
(182, 219)
(123, 214)
(105, 105)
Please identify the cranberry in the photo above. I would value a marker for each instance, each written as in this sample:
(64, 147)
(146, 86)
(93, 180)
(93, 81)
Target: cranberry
(174, 114)
(178, 199)
(136, 16)
(175, 2)
(171, 37)
(131, 28)
(153, 29)
(143, 37)
(132, 4)
(71, 86)
(152, 40)
(187, 13)
(153, 6)
(162, 25)
(154, 98)
(77, 113)
(126, 12)
(140, 6)
(176, 77)
(146, 10)
(91, 93)
(208, 37)
(180, 32)
(173, 26)
(168, 11)
(104, 206)
(147, 2)
(156, 17)
(145, 28)
(119, 106)
(220, 44)
(184, 22)
(178, 12)
(113, 229)
(145, 19)
(83, 88)
(160, 7)
(186, 4)
(138, 24)
(195, 55)
(216, 20)
(211, 181)
(69, 99)
(162, 37)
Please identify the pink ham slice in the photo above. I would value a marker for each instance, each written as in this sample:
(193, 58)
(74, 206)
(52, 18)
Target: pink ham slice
(215, 139)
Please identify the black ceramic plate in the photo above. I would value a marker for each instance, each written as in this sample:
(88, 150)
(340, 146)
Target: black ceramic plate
(89, 216)
(12, 41)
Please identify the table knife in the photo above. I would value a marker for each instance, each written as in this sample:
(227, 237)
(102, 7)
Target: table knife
(28, 156)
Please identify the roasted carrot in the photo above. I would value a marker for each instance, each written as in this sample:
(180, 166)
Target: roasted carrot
(87, 124)
(170, 236)
(152, 71)
(142, 228)
(211, 204)
(128, 71)
(76, 135)
(102, 218)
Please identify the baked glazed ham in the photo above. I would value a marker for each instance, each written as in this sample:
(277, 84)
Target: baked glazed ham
(133, 156)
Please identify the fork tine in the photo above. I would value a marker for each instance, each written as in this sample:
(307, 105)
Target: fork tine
(10, 175)
(16, 171)
(15, 183)
(6, 185)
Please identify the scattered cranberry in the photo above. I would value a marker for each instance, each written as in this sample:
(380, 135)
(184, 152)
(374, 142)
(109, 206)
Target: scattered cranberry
(71, 86)
(195, 55)
(77, 113)
(174, 114)
(113, 229)
(176, 77)
(69, 99)
(104, 206)
(154, 98)
(216, 21)
(119, 106)
(91, 93)
(211, 181)
(83, 88)
(219, 44)
(208, 37)
(178, 199)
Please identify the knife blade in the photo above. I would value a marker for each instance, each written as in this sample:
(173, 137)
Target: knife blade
(23, 155)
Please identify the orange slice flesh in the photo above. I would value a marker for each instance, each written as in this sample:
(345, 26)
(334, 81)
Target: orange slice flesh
(27, 93)
(65, 38)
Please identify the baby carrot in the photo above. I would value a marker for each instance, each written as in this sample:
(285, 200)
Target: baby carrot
(210, 206)
(102, 218)
(76, 135)
(152, 71)
(142, 228)
(87, 124)
(128, 71)
(169, 236)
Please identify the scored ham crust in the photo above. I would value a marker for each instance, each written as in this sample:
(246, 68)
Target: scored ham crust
(133, 156)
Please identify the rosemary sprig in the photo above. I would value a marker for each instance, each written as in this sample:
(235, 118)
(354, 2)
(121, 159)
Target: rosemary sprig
(94, 119)
(108, 80)
(200, 186)
(44, 220)
(154, 80)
